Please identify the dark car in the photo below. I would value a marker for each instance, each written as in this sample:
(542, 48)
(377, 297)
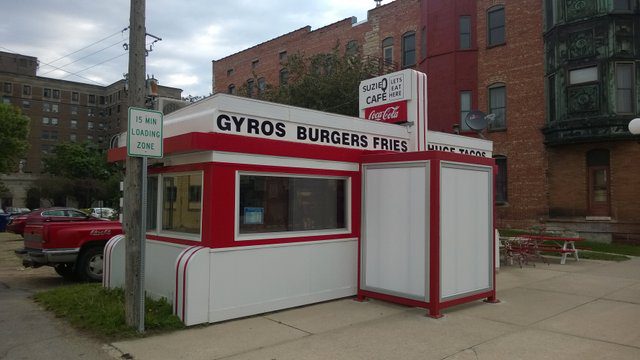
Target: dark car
(57, 214)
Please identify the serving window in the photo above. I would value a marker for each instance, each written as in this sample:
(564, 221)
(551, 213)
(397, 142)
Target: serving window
(174, 203)
(278, 204)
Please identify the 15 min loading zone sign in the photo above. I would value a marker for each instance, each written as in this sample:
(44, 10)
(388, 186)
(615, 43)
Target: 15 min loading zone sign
(144, 134)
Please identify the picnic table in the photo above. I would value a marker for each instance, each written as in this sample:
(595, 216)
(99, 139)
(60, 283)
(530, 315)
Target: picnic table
(527, 247)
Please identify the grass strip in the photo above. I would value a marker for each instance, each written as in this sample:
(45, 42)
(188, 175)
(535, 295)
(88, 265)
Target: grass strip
(101, 311)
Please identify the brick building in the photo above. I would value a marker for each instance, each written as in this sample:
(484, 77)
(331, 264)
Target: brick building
(561, 76)
(390, 33)
(61, 111)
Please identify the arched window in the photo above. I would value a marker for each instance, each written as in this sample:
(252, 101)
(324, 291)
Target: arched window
(408, 49)
(495, 25)
(387, 50)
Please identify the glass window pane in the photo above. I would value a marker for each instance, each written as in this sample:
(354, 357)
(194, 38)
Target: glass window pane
(579, 76)
(277, 204)
(178, 213)
(465, 107)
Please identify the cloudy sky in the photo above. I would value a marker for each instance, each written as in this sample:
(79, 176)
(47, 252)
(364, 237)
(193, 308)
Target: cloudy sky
(81, 40)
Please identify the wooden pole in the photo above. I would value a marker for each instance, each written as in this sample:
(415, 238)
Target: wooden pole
(133, 175)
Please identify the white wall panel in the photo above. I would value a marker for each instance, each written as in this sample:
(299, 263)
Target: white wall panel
(395, 229)
(160, 271)
(466, 229)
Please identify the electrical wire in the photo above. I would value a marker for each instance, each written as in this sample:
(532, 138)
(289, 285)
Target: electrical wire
(84, 57)
(103, 39)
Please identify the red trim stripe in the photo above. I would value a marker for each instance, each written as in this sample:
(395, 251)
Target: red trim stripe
(178, 263)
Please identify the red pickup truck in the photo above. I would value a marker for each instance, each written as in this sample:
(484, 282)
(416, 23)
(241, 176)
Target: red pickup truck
(74, 249)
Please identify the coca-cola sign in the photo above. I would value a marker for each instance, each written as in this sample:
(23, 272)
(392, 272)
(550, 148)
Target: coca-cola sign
(390, 113)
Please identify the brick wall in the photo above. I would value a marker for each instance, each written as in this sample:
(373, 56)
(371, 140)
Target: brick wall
(518, 63)
(393, 19)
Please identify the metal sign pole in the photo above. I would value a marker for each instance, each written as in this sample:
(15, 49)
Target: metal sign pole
(143, 239)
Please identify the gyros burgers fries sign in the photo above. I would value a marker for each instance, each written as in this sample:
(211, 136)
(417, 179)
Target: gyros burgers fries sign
(384, 98)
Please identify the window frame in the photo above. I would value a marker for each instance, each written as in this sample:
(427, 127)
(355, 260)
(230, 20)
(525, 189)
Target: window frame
(404, 50)
(628, 8)
(291, 234)
(631, 89)
(27, 90)
(387, 44)
(7, 87)
(461, 33)
(463, 125)
(159, 231)
(494, 9)
(489, 108)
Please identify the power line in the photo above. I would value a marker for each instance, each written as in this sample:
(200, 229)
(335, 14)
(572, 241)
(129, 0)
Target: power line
(103, 39)
(84, 57)
(90, 67)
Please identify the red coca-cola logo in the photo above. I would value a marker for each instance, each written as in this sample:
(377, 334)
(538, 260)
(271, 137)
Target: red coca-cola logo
(391, 113)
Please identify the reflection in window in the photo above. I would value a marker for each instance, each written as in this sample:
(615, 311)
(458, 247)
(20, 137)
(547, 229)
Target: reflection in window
(277, 204)
(495, 31)
(179, 213)
(624, 88)
(409, 49)
(465, 108)
(465, 32)
(497, 106)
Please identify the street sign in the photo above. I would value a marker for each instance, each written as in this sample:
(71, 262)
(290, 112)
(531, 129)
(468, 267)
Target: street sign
(144, 133)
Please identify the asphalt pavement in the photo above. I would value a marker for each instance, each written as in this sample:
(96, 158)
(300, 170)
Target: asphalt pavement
(580, 310)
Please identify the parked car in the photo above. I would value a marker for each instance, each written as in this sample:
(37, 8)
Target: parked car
(73, 248)
(17, 223)
(103, 212)
(4, 219)
(17, 210)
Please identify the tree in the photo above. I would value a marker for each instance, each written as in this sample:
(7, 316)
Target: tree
(14, 129)
(82, 171)
(326, 81)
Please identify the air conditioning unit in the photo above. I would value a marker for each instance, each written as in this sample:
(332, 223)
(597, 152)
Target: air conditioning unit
(169, 105)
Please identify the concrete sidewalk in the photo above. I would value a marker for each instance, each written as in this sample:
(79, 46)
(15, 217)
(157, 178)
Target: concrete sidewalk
(581, 310)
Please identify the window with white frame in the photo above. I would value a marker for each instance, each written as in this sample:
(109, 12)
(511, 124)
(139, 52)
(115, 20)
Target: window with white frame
(387, 50)
(181, 203)
(279, 203)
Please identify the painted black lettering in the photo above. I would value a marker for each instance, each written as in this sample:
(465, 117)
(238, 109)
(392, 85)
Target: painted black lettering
(364, 140)
(253, 126)
(238, 122)
(404, 146)
(267, 128)
(301, 133)
(224, 122)
(280, 130)
(335, 137)
(324, 136)
(314, 134)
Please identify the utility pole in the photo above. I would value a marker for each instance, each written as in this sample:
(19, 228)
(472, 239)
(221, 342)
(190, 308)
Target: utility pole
(133, 226)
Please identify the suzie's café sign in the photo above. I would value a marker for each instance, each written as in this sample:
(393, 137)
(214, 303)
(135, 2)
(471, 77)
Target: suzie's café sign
(384, 98)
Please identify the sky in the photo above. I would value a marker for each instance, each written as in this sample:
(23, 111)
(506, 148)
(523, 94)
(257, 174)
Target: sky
(80, 40)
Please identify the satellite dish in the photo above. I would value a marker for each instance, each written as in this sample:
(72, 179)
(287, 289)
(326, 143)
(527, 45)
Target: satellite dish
(476, 120)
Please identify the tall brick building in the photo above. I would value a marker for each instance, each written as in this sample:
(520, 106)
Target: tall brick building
(561, 76)
(61, 111)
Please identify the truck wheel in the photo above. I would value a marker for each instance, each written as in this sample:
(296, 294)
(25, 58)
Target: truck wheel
(66, 271)
(90, 264)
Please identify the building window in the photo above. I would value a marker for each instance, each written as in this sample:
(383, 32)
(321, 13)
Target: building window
(73, 124)
(56, 94)
(465, 32)
(250, 85)
(8, 87)
(54, 121)
(262, 86)
(624, 88)
(91, 112)
(254, 63)
(26, 90)
(550, 12)
(269, 204)
(53, 135)
(55, 108)
(351, 48)
(46, 121)
(46, 107)
(408, 49)
(102, 100)
(598, 182)
(46, 92)
(90, 125)
(72, 137)
(625, 5)
(75, 96)
(230, 72)
(74, 110)
(284, 76)
(91, 99)
(584, 75)
(387, 50)
(465, 108)
(551, 98)
(495, 26)
(231, 89)
(6, 100)
(89, 137)
(498, 106)
(26, 104)
(501, 179)
(282, 56)
(180, 207)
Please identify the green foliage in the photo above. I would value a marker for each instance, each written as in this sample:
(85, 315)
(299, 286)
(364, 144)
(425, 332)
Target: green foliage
(325, 82)
(101, 311)
(81, 171)
(14, 129)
